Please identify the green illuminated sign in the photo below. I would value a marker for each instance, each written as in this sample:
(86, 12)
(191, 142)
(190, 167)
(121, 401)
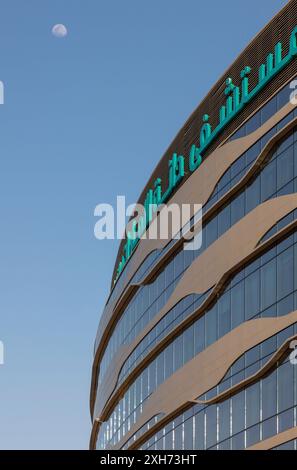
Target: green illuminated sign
(237, 97)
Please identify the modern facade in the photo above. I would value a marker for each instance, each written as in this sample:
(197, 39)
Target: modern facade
(193, 347)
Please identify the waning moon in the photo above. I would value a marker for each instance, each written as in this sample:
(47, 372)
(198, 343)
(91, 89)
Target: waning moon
(59, 31)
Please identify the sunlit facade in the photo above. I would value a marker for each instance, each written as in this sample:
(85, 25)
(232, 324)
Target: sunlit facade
(194, 348)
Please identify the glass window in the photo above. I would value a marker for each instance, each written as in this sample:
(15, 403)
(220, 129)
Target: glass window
(289, 139)
(211, 231)
(238, 134)
(268, 110)
(238, 441)
(287, 189)
(224, 314)
(295, 158)
(188, 344)
(285, 273)
(286, 446)
(211, 328)
(252, 195)
(268, 284)
(238, 166)
(224, 420)
(252, 295)
(268, 181)
(254, 123)
(188, 434)
(237, 208)
(238, 412)
(252, 356)
(237, 304)
(226, 445)
(269, 428)
(199, 335)
(285, 168)
(211, 426)
(178, 352)
(224, 220)
(268, 347)
(285, 386)
(199, 431)
(269, 394)
(253, 404)
(283, 97)
(169, 272)
(253, 153)
(152, 377)
(179, 263)
(169, 441)
(178, 435)
(285, 306)
(252, 435)
(224, 180)
(168, 353)
(267, 137)
(286, 420)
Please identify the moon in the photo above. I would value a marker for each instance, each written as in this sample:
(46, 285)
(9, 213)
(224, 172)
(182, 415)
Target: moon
(59, 31)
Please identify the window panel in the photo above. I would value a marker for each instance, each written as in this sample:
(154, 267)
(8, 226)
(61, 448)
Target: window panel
(285, 387)
(268, 110)
(252, 295)
(224, 314)
(224, 220)
(237, 208)
(211, 426)
(269, 394)
(238, 412)
(253, 404)
(268, 284)
(211, 326)
(237, 304)
(199, 431)
(268, 181)
(285, 273)
(224, 420)
(199, 335)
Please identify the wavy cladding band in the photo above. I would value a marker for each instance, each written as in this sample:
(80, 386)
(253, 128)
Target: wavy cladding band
(270, 145)
(203, 373)
(277, 440)
(209, 269)
(282, 350)
(197, 189)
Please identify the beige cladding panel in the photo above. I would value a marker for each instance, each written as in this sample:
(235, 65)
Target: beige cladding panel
(196, 190)
(208, 368)
(212, 268)
(116, 361)
(208, 269)
(276, 440)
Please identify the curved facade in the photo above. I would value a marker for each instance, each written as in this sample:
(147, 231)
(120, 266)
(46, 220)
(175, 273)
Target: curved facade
(194, 348)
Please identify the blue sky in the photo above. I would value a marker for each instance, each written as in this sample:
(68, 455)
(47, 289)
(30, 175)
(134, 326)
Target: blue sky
(86, 118)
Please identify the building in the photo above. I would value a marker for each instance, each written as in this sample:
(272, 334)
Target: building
(194, 348)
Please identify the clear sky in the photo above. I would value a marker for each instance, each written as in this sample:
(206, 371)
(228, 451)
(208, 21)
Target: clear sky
(86, 118)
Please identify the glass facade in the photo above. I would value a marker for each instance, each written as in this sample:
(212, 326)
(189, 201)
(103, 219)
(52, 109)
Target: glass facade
(257, 397)
(262, 410)
(277, 178)
(150, 299)
(242, 300)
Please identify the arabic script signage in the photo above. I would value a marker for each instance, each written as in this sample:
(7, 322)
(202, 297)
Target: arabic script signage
(237, 97)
